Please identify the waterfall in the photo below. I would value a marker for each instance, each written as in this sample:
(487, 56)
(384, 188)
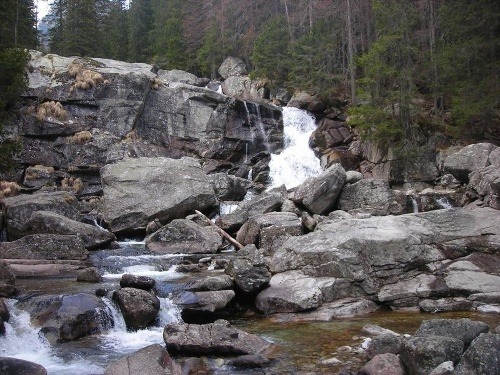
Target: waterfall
(254, 119)
(443, 202)
(23, 341)
(297, 161)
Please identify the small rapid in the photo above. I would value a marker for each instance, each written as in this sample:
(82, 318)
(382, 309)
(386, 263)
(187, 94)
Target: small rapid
(297, 161)
(92, 354)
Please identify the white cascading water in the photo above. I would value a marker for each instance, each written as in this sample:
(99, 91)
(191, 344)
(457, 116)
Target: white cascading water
(297, 161)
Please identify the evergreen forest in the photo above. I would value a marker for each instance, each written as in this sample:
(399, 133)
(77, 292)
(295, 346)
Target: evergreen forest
(403, 67)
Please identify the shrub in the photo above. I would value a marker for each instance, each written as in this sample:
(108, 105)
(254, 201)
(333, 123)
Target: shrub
(80, 137)
(52, 110)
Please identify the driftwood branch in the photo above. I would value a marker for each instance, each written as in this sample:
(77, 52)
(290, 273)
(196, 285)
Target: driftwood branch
(221, 231)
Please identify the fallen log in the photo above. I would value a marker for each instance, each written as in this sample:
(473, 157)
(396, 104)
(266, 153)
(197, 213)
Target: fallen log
(221, 231)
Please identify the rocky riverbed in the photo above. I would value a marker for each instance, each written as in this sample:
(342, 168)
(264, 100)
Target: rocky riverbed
(230, 272)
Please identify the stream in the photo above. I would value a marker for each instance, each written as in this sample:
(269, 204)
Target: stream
(302, 348)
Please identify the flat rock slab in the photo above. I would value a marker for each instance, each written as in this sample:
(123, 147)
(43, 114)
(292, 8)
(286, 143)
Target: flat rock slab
(45, 247)
(218, 338)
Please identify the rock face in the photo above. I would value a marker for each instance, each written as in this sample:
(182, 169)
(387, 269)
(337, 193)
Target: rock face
(218, 338)
(232, 66)
(468, 159)
(139, 307)
(380, 256)
(68, 317)
(153, 359)
(138, 191)
(185, 237)
(46, 222)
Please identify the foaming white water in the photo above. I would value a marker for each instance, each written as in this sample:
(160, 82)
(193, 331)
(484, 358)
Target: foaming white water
(25, 342)
(120, 340)
(145, 270)
(297, 161)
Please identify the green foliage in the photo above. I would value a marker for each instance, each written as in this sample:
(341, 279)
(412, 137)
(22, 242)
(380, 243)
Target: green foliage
(270, 53)
(210, 55)
(12, 83)
(469, 61)
(167, 34)
(375, 123)
(17, 24)
(140, 24)
(389, 67)
(312, 65)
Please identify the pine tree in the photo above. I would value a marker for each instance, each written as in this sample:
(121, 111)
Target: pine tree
(140, 25)
(115, 30)
(468, 54)
(167, 34)
(81, 35)
(269, 55)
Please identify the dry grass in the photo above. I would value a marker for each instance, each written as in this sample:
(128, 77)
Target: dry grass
(80, 137)
(52, 110)
(156, 83)
(35, 172)
(84, 78)
(71, 184)
(8, 189)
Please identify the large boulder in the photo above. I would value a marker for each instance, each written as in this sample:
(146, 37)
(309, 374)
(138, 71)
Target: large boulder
(68, 317)
(468, 159)
(153, 359)
(372, 196)
(138, 191)
(386, 364)
(185, 237)
(482, 357)
(232, 66)
(139, 282)
(198, 303)
(422, 354)
(249, 270)
(218, 339)
(486, 183)
(46, 222)
(462, 329)
(378, 256)
(319, 194)
(228, 187)
(269, 230)
(19, 209)
(139, 307)
(45, 246)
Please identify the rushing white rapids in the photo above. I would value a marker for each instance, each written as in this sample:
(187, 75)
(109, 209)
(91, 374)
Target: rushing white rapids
(297, 161)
